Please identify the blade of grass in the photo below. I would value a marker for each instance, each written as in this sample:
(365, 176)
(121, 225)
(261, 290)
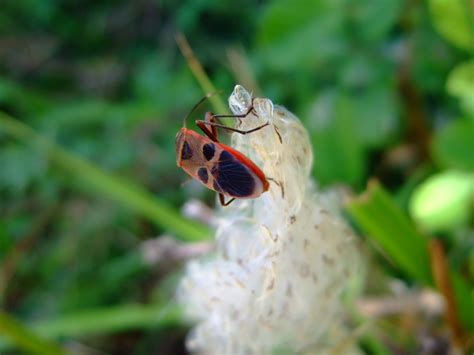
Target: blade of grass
(93, 179)
(105, 321)
(374, 346)
(381, 219)
(109, 320)
(200, 74)
(24, 338)
(378, 215)
(464, 299)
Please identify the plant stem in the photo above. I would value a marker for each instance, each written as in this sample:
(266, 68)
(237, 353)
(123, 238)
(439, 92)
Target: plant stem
(200, 74)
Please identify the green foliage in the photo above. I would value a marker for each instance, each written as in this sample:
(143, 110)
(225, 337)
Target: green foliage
(339, 156)
(93, 94)
(454, 19)
(461, 84)
(346, 126)
(26, 339)
(110, 319)
(380, 217)
(443, 202)
(107, 185)
(453, 145)
(95, 321)
(383, 220)
(356, 93)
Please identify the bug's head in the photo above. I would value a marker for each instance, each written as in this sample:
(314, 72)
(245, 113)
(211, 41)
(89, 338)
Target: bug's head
(183, 150)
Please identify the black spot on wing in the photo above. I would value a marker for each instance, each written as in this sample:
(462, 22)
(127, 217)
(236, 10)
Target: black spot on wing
(226, 156)
(203, 175)
(208, 150)
(232, 176)
(186, 152)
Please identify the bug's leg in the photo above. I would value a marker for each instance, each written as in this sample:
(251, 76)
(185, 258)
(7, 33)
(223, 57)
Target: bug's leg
(237, 116)
(222, 200)
(211, 120)
(201, 123)
(210, 117)
(212, 132)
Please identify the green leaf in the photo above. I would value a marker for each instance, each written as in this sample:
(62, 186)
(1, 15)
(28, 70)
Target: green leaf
(338, 153)
(374, 345)
(444, 201)
(301, 33)
(373, 19)
(94, 180)
(345, 125)
(461, 84)
(454, 20)
(428, 72)
(110, 319)
(26, 101)
(318, 33)
(453, 145)
(367, 82)
(464, 300)
(283, 19)
(155, 74)
(24, 338)
(375, 114)
(20, 167)
(377, 214)
(102, 321)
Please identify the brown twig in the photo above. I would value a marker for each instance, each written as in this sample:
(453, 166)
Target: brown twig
(442, 280)
(418, 131)
(418, 128)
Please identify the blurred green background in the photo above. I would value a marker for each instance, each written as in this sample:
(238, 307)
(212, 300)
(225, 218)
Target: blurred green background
(92, 94)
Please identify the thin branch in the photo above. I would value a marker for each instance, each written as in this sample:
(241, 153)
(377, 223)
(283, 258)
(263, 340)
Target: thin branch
(443, 282)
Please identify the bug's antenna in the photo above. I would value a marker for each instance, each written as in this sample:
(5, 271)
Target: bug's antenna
(198, 104)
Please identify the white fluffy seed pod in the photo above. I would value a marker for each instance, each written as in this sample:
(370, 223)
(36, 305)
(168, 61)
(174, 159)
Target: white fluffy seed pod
(282, 260)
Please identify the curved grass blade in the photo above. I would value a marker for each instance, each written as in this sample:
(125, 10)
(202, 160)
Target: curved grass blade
(200, 74)
(105, 320)
(24, 338)
(95, 180)
(378, 215)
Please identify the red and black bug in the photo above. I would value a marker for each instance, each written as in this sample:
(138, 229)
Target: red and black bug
(220, 167)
